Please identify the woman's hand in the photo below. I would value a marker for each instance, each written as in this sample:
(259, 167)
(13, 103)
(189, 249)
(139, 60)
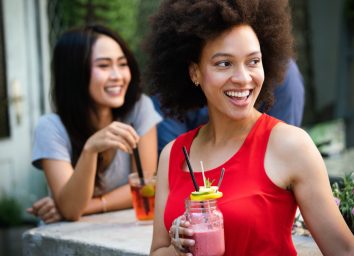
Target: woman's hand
(116, 135)
(46, 210)
(179, 233)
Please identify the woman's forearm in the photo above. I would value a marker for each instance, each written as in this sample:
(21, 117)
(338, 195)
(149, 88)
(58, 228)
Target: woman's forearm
(163, 251)
(118, 199)
(78, 191)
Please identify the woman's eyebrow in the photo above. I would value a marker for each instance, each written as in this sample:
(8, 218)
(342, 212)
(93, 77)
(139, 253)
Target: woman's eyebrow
(109, 59)
(222, 54)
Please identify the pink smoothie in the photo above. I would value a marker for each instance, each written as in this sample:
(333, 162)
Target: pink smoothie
(210, 243)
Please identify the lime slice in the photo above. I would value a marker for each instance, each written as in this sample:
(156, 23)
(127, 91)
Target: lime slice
(198, 193)
(206, 196)
(147, 191)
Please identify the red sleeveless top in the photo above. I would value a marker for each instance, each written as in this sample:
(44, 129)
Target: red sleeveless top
(258, 215)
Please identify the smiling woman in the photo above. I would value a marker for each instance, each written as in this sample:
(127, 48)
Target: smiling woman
(229, 55)
(101, 115)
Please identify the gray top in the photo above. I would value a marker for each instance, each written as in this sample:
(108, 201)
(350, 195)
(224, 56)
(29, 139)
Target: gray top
(51, 141)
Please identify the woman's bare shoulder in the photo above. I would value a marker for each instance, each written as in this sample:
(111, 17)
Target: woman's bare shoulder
(164, 159)
(293, 148)
(288, 138)
(165, 153)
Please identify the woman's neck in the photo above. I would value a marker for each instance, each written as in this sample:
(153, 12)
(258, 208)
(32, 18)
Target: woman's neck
(220, 129)
(220, 139)
(101, 118)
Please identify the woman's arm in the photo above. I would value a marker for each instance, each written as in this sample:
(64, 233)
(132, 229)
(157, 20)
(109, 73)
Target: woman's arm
(73, 190)
(161, 243)
(120, 198)
(299, 158)
(117, 199)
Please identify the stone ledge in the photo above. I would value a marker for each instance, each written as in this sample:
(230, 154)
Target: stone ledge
(305, 246)
(114, 233)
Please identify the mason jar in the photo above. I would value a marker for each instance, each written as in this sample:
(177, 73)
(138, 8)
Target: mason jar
(208, 225)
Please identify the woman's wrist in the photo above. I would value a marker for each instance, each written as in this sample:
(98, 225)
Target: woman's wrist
(103, 203)
(89, 148)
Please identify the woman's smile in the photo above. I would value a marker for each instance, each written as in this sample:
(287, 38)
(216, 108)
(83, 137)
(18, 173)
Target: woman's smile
(239, 98)
(113, 90)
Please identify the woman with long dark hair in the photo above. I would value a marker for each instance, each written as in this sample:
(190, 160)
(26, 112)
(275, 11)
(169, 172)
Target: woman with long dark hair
(100, 116)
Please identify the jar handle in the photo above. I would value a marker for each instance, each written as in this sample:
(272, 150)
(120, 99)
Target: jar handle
(177, 223)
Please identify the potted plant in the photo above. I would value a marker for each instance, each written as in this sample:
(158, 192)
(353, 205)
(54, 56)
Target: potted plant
(343, 192)
(10, 212)
(12, 225)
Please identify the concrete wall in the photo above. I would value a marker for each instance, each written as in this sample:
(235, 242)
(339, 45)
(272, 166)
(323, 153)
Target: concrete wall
(332, 63)
(325, 21)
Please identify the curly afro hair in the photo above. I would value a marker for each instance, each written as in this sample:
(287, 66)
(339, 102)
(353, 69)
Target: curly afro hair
(180, 29)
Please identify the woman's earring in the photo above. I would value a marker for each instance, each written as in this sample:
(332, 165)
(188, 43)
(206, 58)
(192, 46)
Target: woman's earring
(196, 83)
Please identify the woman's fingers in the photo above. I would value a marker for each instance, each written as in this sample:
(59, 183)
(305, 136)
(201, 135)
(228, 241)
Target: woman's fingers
(131, 131)
(181, 236)
(51, 216)
(182, 245)
(116, 135)
(184, 230)
(48, 214)
(46, 210)
(36, 206)
(52, 220)
(125, 134)
(45, 207)
(31, 211)
(123, 146)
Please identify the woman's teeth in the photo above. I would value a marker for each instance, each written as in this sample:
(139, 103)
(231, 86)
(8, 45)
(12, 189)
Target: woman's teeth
(238, 94)
(114, 90)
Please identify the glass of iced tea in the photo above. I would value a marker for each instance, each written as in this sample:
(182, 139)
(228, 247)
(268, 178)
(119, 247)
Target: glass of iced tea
(143, 196)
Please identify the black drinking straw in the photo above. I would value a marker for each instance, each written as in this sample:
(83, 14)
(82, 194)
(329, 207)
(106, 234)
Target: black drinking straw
(190, 168)
(141, 178)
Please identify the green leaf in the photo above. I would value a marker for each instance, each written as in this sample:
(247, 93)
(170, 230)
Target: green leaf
(208, 183)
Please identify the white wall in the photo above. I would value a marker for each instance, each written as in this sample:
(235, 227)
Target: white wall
(27, 63)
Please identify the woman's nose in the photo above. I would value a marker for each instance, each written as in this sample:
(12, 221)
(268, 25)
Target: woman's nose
(115, 73)
(241, 75)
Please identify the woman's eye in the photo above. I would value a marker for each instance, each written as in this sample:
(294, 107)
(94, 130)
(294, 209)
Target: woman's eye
(103, 65)
(255, 61)
(223, 64)
(123, 64)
